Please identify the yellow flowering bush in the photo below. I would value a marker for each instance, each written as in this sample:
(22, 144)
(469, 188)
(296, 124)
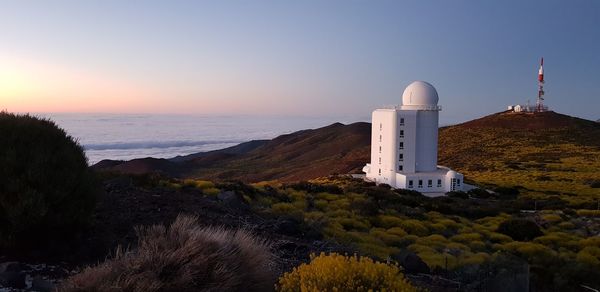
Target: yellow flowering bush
(588, 213)
(335, 272)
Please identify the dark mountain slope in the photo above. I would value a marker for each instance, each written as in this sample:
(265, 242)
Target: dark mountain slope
(233, 150)
(306, 154)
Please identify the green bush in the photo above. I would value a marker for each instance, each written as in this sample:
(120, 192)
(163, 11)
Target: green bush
(46, 188)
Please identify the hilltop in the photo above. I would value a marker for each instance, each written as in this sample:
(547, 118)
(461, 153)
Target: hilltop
(546, 153)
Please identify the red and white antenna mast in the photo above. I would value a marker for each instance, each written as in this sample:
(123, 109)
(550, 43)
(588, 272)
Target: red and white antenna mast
(540, 98)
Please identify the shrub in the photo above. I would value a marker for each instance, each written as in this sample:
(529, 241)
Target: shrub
(182, 257)
(414, 227)
(46, 188)
(353, 224)
(211, 191)
(479, 193)
(283, 208)
(588, 213)
(335, 272)
(520, 229)
(466, 237)
(201, 184)
(364, 206)
(552, 218)
(507, 193)
(387, 221)
(499, 237)
(388, 238)
(316, 188)
(589, 255)
(535, 253)
(457, 194)
(321, 204)
(397, 231)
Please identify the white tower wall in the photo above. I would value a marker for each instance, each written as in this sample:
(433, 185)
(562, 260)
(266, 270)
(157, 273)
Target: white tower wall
(383, 146)
(408, 140)
(427, 140)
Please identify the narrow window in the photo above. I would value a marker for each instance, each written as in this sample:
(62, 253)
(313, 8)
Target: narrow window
(380, 126)
(379, 149)
(380, 171)
(439, 183)
(401, 133)
(458, 181)
(410, 184)
(379, 160)
(420, 183)
(400, 167)
(379, 138)
(401, 145)
(429, 183)
(401, 157)
(401, 121)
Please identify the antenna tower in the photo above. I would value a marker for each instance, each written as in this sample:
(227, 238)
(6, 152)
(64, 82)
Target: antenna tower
(540, 99)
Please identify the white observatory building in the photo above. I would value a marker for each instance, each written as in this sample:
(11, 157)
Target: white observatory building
(404, 143)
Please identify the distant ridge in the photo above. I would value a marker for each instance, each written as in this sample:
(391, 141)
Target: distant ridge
(305, 154)
(478, 145)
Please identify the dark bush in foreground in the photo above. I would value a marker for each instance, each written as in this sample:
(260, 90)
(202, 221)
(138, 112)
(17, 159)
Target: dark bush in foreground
(46, 188)
(182, 257)
(520, 229)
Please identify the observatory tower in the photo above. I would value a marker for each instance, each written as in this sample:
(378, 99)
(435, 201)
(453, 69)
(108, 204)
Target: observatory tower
(404, 142)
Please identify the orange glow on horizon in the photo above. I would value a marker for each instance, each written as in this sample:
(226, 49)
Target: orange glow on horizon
(28, 85)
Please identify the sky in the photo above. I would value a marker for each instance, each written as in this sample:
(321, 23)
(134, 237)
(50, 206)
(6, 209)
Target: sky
(301, 58)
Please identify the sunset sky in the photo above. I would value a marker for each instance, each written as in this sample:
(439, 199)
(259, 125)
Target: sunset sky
(296, 57)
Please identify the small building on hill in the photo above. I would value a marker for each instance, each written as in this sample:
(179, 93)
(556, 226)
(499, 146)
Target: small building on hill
(527, 108)
(404, 144)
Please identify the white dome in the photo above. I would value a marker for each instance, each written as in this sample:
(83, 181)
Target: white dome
(420, 93)
(452, 174)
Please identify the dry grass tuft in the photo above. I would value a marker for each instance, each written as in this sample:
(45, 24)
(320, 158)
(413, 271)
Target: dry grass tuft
(182, 257)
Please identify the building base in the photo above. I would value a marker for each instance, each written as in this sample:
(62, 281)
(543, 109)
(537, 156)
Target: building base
(438, 182)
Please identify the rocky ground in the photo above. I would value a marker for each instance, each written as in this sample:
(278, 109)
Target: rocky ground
(126, 205)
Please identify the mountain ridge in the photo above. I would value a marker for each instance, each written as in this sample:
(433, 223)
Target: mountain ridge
(505, 142)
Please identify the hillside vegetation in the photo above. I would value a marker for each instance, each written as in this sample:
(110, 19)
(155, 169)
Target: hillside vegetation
(549, 156)
(475, 242)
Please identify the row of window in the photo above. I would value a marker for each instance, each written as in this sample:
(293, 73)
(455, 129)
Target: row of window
(429, 183)
(400, 145)
(401, 124)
